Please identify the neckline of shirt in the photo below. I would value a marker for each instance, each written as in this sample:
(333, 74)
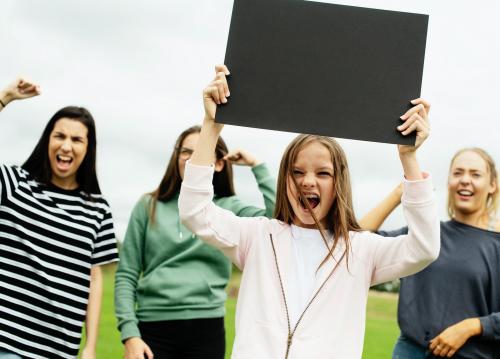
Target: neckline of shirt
(53, 188)
(300, 233)
(458, 224)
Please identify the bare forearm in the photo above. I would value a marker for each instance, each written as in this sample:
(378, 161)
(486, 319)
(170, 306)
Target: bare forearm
(205, 148)
(5, 99)
(93, 308)
(374, 219)
(474, 326)
(449, 341)
(411, 167)
(18, 90)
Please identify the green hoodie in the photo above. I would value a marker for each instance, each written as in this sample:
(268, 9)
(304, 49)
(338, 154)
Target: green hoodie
(166, 272)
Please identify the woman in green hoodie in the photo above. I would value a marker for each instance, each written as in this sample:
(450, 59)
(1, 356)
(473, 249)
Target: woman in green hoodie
(170, 286)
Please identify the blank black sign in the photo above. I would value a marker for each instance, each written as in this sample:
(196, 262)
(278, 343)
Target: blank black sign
(327, 69)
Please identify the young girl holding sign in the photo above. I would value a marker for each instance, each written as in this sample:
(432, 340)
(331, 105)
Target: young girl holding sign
(306, 273)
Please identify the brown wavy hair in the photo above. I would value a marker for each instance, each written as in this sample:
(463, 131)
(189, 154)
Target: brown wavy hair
(170, 184)
(491, 205)
(340, 218)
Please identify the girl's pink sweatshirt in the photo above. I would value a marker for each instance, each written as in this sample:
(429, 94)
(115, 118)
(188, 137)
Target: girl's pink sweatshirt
(334, 324)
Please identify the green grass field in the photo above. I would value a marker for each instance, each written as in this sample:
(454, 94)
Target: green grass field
(381, 326)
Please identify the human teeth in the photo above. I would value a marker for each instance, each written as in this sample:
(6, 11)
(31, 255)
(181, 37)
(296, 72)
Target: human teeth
(64, 158)
(311, 196)
(465, 193)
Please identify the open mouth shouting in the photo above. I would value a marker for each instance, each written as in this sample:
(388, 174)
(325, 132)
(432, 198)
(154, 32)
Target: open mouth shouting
(312, 198)
(64, 162)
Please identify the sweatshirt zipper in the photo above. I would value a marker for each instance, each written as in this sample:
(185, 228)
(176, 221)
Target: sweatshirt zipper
(292, 332)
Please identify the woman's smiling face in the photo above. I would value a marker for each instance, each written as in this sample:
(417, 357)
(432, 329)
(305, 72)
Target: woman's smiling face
(313, 172)
(469, 183)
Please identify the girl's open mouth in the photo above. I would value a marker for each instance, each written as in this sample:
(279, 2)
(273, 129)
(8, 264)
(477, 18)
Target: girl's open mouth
(313, 200)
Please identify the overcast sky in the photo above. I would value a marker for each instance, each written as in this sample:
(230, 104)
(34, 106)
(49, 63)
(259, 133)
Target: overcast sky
(140, 67)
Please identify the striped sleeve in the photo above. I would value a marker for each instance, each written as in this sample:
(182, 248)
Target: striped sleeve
(2, 181)
(105, 248)
(8, 181)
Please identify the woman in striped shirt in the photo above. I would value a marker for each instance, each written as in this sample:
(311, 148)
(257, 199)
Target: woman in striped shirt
(56, 230)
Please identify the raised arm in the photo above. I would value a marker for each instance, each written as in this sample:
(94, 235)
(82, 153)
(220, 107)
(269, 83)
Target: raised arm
(218, 227)
(374, 219)
(214, 94)
(396, 257)
(266, 183)
(415, 120)
(412, 248)
(18, 90)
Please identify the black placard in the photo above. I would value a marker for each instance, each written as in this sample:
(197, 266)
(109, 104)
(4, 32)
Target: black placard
(319, 68)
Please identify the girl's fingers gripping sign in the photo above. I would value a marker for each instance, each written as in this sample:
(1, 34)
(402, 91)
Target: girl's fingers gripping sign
(216, 92)
(416, 120)
(222, 71)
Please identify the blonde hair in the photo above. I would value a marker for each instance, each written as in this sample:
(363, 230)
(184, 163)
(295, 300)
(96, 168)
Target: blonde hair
(340, 218)
(491, 205)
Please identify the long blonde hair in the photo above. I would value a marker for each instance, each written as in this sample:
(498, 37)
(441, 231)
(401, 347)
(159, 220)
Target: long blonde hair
(340, 218)
(491, 205)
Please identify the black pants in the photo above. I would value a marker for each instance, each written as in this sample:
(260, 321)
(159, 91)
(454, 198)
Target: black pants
(185, 339)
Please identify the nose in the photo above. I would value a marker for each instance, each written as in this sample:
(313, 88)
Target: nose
(308, 181)
(66, 145)
(465, 178)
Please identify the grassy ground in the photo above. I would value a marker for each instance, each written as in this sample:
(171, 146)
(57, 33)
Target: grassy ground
(381, 326)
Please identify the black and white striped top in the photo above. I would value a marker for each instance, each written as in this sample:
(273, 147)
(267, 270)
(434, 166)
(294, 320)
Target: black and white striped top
(49, 240)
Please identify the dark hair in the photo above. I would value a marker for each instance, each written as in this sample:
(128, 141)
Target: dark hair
(38, 163)
(170, 184)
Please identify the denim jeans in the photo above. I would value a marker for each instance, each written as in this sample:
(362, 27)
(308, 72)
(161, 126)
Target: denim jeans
(8, 355)
(407, 349)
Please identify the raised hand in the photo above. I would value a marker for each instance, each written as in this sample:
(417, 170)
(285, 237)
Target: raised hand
(18, 90)
(415, 119)
(241, 157)
(216, 92)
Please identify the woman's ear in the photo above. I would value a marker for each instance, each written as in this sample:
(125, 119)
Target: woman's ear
(493, 187)
(219, 165)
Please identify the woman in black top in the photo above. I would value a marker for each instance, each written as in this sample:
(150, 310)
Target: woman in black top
(452, 308)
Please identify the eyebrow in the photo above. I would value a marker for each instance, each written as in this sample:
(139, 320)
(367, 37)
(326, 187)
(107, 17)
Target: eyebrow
(73, 137)
(316, 169)
(470, 170)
